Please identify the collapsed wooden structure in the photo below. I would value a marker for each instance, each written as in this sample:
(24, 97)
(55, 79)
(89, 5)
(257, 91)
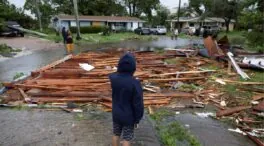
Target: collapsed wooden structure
(64, 80)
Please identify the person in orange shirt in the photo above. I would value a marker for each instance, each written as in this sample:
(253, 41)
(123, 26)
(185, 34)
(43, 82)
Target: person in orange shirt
(69, 43)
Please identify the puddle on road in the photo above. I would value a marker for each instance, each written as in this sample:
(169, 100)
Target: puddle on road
(28, 63)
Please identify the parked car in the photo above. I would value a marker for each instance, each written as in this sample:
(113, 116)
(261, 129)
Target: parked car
(142, 31)
(159, 30)
(211, 29)
(11, 29)
(188, 30)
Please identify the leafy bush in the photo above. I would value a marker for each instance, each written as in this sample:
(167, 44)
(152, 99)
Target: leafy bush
(106, 31)
(88, 29)
(2, 24)
(255, 39)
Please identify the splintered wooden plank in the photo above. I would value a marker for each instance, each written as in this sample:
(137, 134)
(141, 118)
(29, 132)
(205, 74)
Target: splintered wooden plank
(176, 79)
(54, 63)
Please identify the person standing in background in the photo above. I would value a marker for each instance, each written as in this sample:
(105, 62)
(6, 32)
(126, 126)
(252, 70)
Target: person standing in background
(69, 43)
(64, 34)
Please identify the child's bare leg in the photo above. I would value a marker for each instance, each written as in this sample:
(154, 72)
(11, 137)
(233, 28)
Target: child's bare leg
(115, 141)
(126, 143)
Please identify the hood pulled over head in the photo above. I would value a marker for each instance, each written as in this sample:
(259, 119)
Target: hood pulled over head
(127, 64)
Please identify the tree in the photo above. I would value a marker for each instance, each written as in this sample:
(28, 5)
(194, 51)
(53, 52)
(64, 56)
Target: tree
(226, 9)
(161, 16)
(42, 9)
(137, 7)
(201, 7)
(9, 12)
(91, 7)
(252, 15)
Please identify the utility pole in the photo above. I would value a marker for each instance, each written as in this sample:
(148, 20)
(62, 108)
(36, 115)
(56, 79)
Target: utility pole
(179, 10)
(78, 37)
(39, 15)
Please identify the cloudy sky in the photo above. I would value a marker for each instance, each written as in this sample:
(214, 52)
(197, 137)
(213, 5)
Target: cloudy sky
(171, 4)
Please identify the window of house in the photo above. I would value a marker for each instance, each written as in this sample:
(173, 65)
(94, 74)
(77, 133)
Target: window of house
(73, 23)
(85, 23)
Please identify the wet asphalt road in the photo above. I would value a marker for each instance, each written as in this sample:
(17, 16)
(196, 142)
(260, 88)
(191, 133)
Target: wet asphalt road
(57, 128)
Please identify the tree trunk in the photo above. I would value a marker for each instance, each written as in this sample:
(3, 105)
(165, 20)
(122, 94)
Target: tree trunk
(39, 15)
(130, 9)
(179, 10)
(134, 9)
(78, 37)
(227, 21)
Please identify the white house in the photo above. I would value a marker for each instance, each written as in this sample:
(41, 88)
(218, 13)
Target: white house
(117, 22)
(196, 21)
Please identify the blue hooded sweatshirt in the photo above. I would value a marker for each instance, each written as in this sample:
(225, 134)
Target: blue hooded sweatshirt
(127, 94)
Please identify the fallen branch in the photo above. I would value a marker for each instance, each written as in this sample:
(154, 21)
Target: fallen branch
(230, 111)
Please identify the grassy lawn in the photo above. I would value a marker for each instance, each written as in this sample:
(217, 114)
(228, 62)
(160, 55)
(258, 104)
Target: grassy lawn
(97, 38)
(184, 36)
(172, 133)
(239, 38)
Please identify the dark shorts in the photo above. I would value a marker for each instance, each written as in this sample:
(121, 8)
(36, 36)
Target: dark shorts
(126, 131)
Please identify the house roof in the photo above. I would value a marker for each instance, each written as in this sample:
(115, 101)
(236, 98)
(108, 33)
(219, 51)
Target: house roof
(197, 19)
(101, 18)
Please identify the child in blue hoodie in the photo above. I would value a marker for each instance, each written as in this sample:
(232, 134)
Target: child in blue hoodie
(127, 100)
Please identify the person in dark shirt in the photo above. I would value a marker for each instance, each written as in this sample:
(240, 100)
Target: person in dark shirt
(69, 42)
(127, 100)
(64, 34)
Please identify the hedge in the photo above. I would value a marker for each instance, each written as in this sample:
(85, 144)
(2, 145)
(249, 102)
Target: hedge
(255, 38)
(89, 29)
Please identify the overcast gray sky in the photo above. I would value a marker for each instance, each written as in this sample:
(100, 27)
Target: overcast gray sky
(171, 4)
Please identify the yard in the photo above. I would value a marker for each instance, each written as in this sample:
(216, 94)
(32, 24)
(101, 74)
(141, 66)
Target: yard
(240, 38)
(99, 38)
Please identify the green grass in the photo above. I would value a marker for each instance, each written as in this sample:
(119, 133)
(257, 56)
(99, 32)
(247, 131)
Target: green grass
(116, 37)
(97, 38)
(79, 116)
(54, 37)
(256, 77)
(7, 51)
(239, 38)
(172, 134)
(18, 75)
(161, 114)
(175, 135)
